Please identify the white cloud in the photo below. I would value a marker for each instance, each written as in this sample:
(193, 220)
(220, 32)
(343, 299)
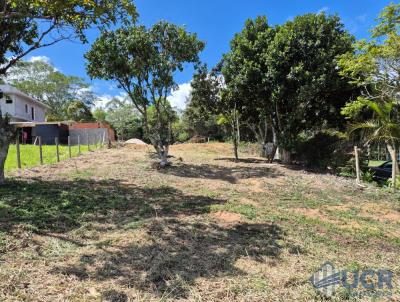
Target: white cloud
(40, 58)
(106, 98)
(323, 10)
(179, 97)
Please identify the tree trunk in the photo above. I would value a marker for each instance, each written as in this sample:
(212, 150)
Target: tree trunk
(235, 147)
(286, 157)
(275, 152)
(162, 152)
(7, 134)
(164, 159)
(395, 167)
(3, 156)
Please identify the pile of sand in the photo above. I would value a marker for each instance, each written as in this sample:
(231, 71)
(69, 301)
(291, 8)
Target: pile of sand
(135, 141)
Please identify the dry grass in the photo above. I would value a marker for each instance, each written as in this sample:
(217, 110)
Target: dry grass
(109, 227)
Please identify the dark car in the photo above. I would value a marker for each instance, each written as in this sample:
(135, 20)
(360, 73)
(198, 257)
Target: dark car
(382, 172)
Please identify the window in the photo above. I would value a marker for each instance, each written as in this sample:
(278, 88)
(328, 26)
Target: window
(33, 113)
(26, 108)
(8, 100)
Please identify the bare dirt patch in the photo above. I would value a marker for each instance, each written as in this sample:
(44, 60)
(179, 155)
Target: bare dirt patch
(224, 217)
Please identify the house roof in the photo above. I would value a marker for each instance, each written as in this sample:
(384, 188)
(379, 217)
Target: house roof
(34, 124)
(10, 90)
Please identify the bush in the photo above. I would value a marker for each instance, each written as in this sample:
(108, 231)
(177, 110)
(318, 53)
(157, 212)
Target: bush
(329, 150)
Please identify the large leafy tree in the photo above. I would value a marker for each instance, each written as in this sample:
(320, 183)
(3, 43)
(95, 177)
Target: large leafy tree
(307, 90)
(143, 62)
(50, 86)
(246, 75)
(27, 25)
(375, 68)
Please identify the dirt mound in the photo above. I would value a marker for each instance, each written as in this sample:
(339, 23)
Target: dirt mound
(227, 217)
(135, 141)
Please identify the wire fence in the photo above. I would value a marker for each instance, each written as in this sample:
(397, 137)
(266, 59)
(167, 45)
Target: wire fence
(26, 156)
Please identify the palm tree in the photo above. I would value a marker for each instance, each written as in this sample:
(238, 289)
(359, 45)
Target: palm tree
(384, 127)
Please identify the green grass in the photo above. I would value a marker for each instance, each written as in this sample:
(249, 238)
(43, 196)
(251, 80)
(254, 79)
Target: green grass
(30, 155)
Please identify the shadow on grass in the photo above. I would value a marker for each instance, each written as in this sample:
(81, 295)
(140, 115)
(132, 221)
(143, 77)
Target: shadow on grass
(176, 254)
(174, 247)
(61, 206)
(229, 174)
(244, 160)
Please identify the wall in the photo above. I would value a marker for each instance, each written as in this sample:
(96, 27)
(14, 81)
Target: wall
(7, 108)
(20, 110)
(96, 125)
(95, 136)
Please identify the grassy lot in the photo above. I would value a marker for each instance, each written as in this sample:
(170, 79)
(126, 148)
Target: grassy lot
(114, 228)
(30, 155)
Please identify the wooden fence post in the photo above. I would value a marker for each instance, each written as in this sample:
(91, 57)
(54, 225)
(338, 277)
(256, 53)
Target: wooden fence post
(18, 153)
(79, 144)
(103, 141)
(88, 143)
(69, 147)
(57, 150)
(40, 150)
(357, 164)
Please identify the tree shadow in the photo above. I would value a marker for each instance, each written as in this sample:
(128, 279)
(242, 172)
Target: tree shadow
(244, 160)
(177, 252)
(61, 206)
(229, 174)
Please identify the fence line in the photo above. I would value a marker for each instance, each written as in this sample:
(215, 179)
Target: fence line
(98, 141)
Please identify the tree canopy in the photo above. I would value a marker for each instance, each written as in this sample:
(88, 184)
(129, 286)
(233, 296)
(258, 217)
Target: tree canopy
(45, 83)
(26, 25)
(143, 62)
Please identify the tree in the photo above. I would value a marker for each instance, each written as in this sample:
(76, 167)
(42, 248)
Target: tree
(307, 91)
(198, 122)
(143, 62)
(7, 134)
(26, 25)
(78, 111)
(125, 119)
(246, 75)
(210, 94)
(100, 115)
(375, 68)
(43, 82)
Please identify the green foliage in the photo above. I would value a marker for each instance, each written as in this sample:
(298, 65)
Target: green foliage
(43, 82)
(367, 176)
(308, 91)
(143, 62)
(199, 122)
(327, 149)
(125, 120)
(27, 25)
(247, 75)
(374, 67)
(100, 115)
(78, 111)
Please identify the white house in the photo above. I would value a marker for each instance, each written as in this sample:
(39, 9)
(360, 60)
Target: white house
(20, 106)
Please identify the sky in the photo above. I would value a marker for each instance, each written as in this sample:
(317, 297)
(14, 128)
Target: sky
(215, 22)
